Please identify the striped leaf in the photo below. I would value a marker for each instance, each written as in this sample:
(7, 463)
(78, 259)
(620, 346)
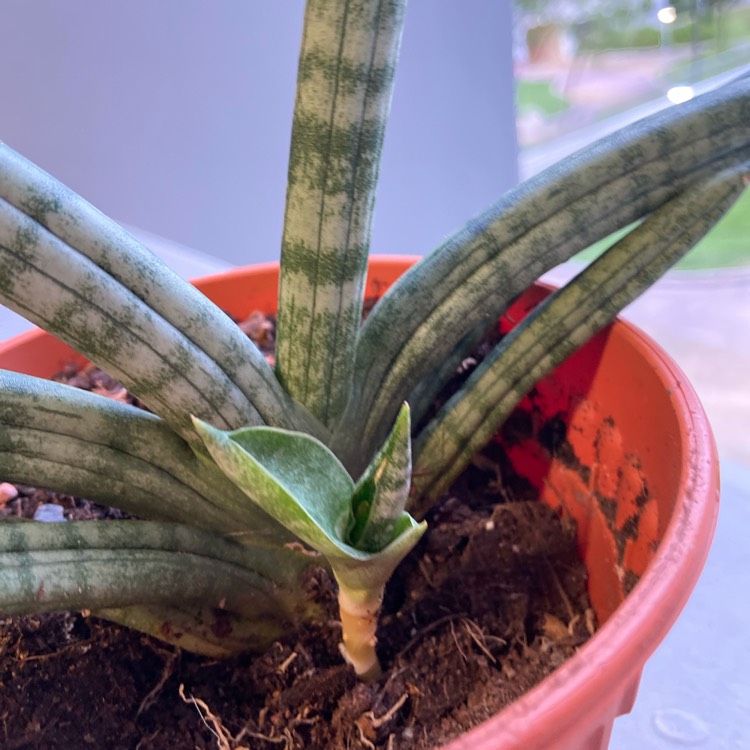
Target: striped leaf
(52, 435)
(76, 273)
(380, 495)
(110, 566)
(422, 399)
(478, 272)
(561, 324)
(346, 67)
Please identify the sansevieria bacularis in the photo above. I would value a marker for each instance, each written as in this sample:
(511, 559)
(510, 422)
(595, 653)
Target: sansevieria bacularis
(242, 476)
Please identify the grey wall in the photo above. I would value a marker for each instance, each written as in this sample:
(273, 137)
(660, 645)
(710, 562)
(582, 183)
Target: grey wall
(174, 115)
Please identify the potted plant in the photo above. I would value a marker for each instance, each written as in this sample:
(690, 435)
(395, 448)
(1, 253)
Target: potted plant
(242, 470)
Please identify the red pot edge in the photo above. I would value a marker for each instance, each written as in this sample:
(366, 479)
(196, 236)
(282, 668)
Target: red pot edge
(549, 716)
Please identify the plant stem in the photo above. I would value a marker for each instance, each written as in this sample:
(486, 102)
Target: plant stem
(359, 620)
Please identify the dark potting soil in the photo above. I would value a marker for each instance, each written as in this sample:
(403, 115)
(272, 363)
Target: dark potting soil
(491, 601)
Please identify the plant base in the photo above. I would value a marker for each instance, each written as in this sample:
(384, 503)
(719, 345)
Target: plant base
(463, 634)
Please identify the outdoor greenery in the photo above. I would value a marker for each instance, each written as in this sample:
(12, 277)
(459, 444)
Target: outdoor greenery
(241, 469)
(537, 96)
(600, 25)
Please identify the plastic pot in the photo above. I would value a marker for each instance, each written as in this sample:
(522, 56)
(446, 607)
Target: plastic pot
(631, 458)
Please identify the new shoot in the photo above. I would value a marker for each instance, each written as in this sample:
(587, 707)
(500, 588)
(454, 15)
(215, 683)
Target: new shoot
(362, 528)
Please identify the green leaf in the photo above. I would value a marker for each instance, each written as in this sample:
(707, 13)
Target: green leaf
(346, 67)
(476, 273)
(379, 499)
(300, 482)
(422, 398)
(79, 443)
(71, 270)
(154, 567)
(292, 476)
(561, 324)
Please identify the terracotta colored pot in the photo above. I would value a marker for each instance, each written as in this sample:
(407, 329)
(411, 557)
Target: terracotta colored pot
(630, 456)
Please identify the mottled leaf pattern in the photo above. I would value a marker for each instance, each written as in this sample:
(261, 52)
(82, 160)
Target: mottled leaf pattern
(561, 324)
(299, 482)
(474, 276)
(94, 447)
(381, 493)
(77, 565)
(73, 271)
(346, 68)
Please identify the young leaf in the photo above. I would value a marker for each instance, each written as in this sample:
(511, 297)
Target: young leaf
(301, 483)
(298, 481)
(380, 496)
(292, 476)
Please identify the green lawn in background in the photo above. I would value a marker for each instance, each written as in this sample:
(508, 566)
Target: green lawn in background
(538, 96)
(727, 245)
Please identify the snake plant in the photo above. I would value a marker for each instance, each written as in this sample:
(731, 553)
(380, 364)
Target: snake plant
(242, 476)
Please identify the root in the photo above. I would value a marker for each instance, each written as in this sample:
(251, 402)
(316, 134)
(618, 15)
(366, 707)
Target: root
(426, 630)
(154, 693)
(378, 721)
(364, 739)
(480, 639)
(285, 664)
(213, 723)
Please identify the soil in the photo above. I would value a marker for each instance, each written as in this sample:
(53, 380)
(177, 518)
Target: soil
(491, 601)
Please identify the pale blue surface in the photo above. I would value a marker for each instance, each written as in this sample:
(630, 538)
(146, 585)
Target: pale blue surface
(695, 690)
(175, 115)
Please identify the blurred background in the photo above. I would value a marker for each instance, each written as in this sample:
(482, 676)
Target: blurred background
(174, 116)
(584, 68)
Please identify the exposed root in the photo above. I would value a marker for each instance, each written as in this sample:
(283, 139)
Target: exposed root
(590, 618)
(480, 639)
(362, 737)
(213, 723)
(378, 721)
(286, 738)
(147, 739)
(428, 629)
(285, 664)
(154, 693)
(458, 643)
(561, 590)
